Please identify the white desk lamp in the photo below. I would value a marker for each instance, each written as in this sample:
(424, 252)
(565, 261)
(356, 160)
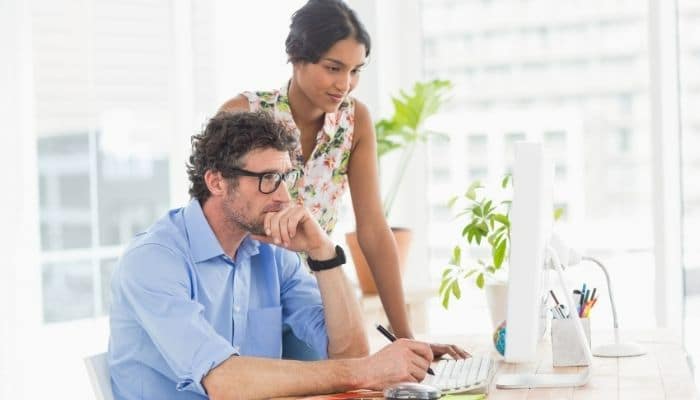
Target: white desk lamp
(569, 257)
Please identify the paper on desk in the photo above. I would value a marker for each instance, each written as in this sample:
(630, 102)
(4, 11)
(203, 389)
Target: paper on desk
(480, 396)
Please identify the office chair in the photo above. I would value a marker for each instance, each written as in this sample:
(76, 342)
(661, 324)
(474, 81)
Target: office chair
(98, 372)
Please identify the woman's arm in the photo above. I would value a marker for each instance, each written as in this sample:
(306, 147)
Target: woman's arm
(373, 233)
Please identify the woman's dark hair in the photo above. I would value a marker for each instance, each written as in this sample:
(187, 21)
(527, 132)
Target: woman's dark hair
(227, 138)
(318, 25)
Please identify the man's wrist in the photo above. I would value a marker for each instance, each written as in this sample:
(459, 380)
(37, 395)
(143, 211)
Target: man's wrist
(323, 252)
(351, 373)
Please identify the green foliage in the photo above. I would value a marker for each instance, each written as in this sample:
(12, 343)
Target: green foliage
(486, 221)
(486, 218)
(405, 127)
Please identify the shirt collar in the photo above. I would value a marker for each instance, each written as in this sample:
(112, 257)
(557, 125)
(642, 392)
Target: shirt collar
(203, 242)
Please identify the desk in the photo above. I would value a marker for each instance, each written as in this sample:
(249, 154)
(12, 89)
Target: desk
(662, 373)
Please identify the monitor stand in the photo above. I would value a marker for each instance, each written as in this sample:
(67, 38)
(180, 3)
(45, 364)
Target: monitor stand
(527, 381)
(530, 380)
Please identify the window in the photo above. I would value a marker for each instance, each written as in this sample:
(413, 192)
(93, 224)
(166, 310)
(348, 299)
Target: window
(586, 79)
(102, 147)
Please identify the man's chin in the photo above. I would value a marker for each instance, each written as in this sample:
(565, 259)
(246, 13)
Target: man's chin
(256, 229)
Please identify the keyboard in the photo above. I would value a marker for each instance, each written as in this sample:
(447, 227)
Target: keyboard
(471, 375)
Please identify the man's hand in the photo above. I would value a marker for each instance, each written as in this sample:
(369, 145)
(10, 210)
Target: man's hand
(295, 229)
(451, 350)
(404, 360)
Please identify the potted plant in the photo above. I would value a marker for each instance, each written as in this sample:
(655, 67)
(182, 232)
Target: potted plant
(402, 131)
(487, 222)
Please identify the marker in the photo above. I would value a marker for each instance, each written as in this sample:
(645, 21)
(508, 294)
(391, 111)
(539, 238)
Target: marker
(392, 338)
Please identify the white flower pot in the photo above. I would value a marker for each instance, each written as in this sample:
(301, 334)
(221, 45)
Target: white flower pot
(496, 298)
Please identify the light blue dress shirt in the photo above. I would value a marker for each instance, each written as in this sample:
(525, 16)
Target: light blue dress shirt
(180, 307)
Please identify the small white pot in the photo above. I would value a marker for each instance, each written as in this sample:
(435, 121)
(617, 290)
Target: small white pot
(496, 298)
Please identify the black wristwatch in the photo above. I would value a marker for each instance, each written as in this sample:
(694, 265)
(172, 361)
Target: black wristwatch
(336, 261)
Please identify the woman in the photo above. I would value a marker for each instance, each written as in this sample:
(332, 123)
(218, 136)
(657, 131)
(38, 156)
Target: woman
(328, 46)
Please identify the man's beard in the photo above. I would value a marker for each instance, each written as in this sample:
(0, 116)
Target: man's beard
(236, 217)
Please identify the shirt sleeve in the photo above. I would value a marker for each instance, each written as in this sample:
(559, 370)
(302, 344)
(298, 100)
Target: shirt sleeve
(302, 307)
(155, 283)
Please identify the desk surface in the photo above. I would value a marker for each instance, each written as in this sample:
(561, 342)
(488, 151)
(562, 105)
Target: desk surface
(662, 373)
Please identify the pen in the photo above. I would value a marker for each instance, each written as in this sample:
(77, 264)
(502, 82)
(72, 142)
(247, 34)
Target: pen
(554, 297)
(392, 338)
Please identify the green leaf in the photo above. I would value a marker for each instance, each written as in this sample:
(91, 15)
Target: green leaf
(456, 256)
(503, 219)
(487, 207)
(558, 212)
(480, 281)
(466, 230)
(470, 273)
(456, 291)
(476, 210)
(451, 202)
(447, 271)
(446, 300)
(443, 285)
(499, 254)
(505, 181)
(471, 191)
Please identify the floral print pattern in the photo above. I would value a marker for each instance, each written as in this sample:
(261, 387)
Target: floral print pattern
(324, 177)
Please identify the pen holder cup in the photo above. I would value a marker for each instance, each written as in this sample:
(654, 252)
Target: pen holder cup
(566, 347)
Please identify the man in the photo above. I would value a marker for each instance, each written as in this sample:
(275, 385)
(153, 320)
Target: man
(201, 299)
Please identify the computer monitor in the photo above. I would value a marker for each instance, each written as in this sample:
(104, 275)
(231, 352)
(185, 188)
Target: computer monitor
(531, 217)
(531, 225)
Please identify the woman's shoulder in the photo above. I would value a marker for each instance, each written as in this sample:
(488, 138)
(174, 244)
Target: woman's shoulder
(360, 112)
(237, 103)
(251, 100)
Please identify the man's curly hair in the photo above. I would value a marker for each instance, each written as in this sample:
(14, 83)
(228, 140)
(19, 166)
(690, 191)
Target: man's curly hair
(225, 141)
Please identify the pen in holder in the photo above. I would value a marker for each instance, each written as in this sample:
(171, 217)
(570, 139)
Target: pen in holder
(566, 347)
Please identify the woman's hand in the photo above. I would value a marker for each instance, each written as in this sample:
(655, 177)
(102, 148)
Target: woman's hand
(451, 350)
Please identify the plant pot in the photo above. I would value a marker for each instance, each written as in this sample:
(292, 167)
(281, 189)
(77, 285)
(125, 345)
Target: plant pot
(364, 275)
(497, 300)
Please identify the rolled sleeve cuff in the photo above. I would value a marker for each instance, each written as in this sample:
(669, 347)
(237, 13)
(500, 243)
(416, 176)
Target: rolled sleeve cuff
(208, 357)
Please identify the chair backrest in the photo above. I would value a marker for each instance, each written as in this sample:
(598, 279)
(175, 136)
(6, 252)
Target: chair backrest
(98, 371)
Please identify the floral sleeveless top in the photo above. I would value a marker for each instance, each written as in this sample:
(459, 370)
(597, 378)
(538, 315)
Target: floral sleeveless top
(324, 177)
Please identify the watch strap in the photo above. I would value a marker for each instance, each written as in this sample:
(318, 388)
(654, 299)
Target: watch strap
(336, 261)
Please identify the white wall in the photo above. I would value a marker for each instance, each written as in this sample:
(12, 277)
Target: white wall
(18, 204)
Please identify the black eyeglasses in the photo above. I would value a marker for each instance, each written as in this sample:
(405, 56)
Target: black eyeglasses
(268, 182)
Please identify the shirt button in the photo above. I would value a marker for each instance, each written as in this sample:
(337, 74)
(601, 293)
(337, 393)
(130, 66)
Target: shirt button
(236, 308)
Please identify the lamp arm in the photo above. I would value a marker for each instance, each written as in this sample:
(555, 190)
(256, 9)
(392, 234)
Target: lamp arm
(610, 294)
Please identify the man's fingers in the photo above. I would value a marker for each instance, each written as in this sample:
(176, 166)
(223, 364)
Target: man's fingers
(267, 222)
(422, 349)
(295, 219)
(421, 363)
(417, 373)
